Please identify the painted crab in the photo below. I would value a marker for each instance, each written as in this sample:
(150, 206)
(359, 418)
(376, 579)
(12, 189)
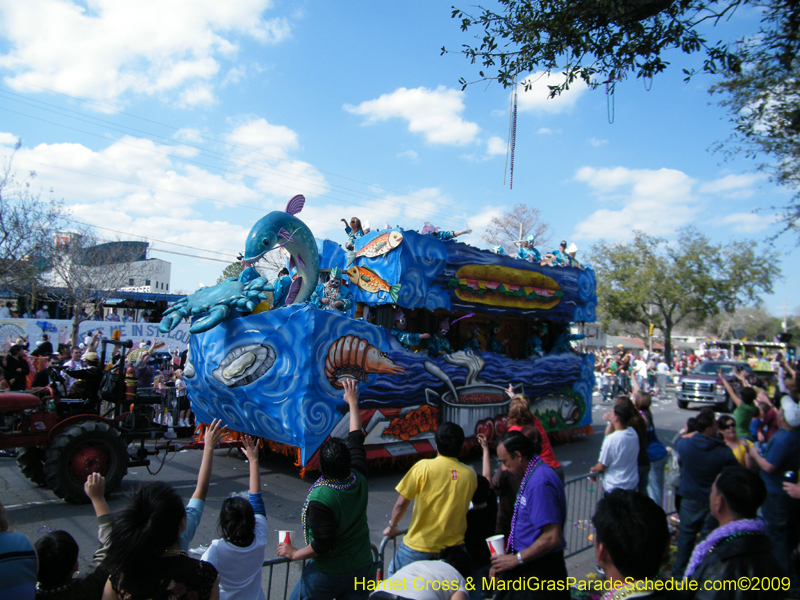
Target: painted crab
(216, 303)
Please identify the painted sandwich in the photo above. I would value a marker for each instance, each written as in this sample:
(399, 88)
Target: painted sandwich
(504, 286)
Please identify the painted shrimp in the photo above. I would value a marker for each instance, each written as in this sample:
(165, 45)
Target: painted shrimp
(354, 358)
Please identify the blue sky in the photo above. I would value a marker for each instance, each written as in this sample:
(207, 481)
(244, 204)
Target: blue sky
(184, 121)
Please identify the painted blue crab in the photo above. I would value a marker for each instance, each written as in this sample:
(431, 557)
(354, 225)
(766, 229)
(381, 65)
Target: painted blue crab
(216, 303)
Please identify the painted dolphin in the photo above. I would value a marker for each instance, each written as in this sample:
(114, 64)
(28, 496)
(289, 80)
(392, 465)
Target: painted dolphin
(283, 229)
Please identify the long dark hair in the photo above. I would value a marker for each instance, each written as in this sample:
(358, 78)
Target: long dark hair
(141, 532)
(237, 521)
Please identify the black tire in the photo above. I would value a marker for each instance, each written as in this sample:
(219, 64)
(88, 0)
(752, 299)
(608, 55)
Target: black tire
(30, 462)
(80, 450)
(683, 404)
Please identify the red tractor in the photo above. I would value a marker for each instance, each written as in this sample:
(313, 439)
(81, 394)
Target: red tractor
(62, 441)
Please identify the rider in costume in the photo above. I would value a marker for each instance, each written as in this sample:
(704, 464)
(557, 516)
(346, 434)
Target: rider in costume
(399, 331)
(439, 345)
(332, 295)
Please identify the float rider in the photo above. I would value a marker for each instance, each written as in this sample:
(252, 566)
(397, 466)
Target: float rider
(399, 332)
(439, 345)
(332, 295)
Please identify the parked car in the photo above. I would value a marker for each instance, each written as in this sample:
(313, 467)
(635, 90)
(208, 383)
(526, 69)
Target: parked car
(703, 384)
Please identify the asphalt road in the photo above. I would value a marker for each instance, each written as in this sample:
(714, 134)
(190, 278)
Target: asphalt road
(34, 511)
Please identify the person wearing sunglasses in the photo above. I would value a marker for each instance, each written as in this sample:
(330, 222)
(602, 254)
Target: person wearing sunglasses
(739, 446)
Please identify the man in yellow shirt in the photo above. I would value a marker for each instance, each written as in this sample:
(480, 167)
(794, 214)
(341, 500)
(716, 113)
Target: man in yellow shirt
(443, 488)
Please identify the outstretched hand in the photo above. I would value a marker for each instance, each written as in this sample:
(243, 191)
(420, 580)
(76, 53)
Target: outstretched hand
(510, 390)
(215, 432)
(350, 392)
(95, 486)
(483, 441)
(250, 448)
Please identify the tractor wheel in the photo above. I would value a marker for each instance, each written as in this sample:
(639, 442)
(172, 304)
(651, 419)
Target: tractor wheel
(30, 462)
(80, 450)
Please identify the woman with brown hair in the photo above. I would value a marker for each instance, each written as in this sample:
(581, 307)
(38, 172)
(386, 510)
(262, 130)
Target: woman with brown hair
(520, 415)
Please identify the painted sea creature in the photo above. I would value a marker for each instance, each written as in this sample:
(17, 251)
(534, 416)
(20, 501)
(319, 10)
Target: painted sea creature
(383, 244)
(282, 229)
(564, 406)
(279, 229)
(244, 364)
(215, 304)
(369, 281)
(351, 357)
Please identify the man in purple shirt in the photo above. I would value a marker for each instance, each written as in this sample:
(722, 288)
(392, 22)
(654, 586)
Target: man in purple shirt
(535, 548)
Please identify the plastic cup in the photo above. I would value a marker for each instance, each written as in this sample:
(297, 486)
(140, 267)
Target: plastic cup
(286, 537)
(496, 544)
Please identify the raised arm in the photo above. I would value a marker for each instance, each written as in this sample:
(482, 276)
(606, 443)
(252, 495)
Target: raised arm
(214, 434)
(734, 396)
(486, 462)
(251, 451)
(351, 397)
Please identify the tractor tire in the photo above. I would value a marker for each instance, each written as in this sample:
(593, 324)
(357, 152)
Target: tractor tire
(30, 462)
(80, 450)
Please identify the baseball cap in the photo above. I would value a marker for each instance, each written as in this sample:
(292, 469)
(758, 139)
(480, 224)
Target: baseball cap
(791, 411)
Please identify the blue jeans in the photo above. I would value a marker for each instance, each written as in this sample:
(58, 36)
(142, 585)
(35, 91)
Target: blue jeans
(780, 513)
(314, 585)
(405, 556)
(655, 481)
(695, 518)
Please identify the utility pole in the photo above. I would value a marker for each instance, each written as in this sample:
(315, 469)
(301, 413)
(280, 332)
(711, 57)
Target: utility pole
(784, 315)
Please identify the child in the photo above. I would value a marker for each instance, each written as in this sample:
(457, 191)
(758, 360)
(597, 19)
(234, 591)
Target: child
(18, 564)
(239, 555)
(194, 510)
(183, 400)
(58, 555)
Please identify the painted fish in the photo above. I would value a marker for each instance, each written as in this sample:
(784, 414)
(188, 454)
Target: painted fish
(383, 244)
(369, 281)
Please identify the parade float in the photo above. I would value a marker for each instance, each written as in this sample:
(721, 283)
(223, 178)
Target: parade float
(277, 372)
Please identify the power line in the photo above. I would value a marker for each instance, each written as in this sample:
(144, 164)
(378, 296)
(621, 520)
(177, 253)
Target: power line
(218, 156)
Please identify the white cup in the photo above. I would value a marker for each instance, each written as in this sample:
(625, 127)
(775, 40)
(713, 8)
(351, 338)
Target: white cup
(286, 537)
(496, 544)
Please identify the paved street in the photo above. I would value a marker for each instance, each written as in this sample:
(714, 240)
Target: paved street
(32, 511)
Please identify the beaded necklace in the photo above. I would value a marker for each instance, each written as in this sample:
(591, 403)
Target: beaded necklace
(733, 529)
(535, 462)
(628, 590)
(340, 485)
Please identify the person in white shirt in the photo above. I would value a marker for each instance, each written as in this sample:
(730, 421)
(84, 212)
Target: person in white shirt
(239, 555)
(416, 582)
(619, 452)
(73, 363)
(662, 373)
(5, 311)
(42, 313)
(640, 372)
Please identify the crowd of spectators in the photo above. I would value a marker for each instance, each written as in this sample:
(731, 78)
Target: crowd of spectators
(726, 481)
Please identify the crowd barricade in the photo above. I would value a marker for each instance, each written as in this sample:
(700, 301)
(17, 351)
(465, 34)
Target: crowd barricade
(280, 584)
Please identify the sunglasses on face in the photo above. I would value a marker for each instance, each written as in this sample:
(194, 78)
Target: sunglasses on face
(729, 426)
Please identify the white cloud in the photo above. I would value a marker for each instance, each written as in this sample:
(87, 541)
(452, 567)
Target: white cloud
(496, 145)
(434, 113)
(410, 154)
(106, 48)
(265, 150)
(656, 201)
(537, 97)
(197, 95)
(749, 222)
(8, 139)
(733, 186)
(597, 142)
(544, 131)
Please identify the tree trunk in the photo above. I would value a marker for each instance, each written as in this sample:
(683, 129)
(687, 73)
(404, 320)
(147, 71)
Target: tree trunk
(667, 340)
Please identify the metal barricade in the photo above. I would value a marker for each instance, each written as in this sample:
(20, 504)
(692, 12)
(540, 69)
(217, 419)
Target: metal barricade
(582, 495)
(380, 559)
(282, 583)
